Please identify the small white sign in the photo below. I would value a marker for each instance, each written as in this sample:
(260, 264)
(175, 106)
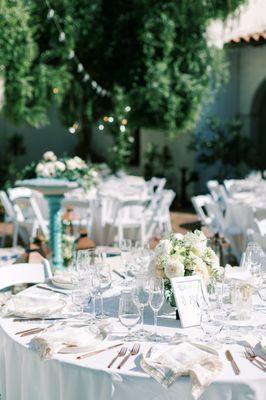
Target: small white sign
(190, 292)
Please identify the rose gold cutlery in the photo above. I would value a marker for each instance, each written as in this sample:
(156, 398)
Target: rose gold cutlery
(255, 362)
(121, 353)
(133, 352)
(93, 353)
(28, 330)
(230, 358)
(250, 350)
(252, 357)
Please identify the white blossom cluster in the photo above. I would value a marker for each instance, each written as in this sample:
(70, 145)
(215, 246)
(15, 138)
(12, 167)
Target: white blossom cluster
(178, 255)
(73, 169)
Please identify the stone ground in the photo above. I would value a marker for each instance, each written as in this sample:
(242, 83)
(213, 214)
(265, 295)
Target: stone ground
(182, 222)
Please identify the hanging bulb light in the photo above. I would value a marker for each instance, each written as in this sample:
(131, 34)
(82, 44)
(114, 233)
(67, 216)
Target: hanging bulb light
(50, 14)
(55, 90)
(80, 67)
(62, 37)
(101, 127)
(86, 78)
(127, 108)
(110, 119)
(71, 54)
(124, 121)
(94, 84)
(122, 128)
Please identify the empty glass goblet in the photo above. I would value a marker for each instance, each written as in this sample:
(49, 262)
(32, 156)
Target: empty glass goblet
(128, 312)
(156, 299)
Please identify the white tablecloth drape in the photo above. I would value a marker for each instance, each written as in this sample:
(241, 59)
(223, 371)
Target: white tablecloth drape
(23, 376)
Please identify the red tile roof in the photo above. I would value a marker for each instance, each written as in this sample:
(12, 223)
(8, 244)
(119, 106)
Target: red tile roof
(249, 38)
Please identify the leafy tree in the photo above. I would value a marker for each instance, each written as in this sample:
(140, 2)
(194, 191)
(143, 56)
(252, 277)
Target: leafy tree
(154, 51)
(225, 147)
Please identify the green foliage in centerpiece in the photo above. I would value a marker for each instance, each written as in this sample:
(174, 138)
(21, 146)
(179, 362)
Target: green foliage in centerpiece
(156, 52)
(71, 169)
(180, 255)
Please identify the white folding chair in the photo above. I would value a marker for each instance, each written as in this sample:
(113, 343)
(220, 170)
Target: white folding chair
(28, 216)
(218, 193)
(162, 212)
(200, 205)
(9, 213)
(16, 274)
(156, 185)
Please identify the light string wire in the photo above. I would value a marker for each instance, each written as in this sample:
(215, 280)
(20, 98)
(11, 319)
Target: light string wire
(51, 15)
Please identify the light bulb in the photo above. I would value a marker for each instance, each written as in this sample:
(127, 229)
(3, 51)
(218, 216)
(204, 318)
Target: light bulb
(94, 84)
(106, 119)
(86, 78)
(72, 130)
(124, 121)
(127, 108)
(62, 37)
(71, 54)
(55, 90)
(80, 67)
(50, 13)
(101, 127)
(122, 128)
(111, 119)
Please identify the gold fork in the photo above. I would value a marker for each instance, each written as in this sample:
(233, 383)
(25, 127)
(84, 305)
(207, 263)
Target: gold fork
(133, 352)
(121, 353)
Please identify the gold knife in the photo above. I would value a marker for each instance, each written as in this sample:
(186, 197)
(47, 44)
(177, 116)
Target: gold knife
(230, 358)
(93, 353)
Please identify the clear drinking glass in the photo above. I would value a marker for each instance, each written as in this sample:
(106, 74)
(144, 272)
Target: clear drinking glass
(101, 281)
(128, 312)
(211, 323)
(140, 293)
(227, 309)
(126, 247)
(156, 299)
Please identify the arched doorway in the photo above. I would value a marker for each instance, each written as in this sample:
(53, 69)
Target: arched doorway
(258, 124)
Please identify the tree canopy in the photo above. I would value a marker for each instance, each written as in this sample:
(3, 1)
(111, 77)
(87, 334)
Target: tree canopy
(153, 51)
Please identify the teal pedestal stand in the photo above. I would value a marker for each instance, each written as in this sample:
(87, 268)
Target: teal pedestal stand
(55, 230)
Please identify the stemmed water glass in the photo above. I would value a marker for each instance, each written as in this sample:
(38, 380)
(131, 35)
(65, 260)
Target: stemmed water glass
(254, 259)
(126, 247)
(128, 312)
(156, 299)
(140, 293)
(101, 281)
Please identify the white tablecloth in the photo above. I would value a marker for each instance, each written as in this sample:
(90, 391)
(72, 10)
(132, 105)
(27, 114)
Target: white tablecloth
(23, 376)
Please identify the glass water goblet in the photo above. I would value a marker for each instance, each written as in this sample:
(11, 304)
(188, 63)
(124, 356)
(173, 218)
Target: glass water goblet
(101, 281)
(211, 323)
(140, 293)
(126, 247)
(128, 313)
(156, 299)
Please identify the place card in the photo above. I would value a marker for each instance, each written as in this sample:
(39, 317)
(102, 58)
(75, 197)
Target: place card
(189, 292)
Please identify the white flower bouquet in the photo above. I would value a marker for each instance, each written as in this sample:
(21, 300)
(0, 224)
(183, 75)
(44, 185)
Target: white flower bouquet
(183, 255)
(72, 169)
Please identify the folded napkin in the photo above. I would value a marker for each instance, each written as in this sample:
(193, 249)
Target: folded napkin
(32, 306)
(167, 363)
(63, 280)
(50, 342)
(4, 297)
(239, 273)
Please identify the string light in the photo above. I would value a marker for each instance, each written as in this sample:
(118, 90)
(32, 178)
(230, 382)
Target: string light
(51, 15)
(127, 108)
(55, 90)
(101, 127)
(110, 119)
(72, 129)
(106, 119)
(122, 128)
(124, 121)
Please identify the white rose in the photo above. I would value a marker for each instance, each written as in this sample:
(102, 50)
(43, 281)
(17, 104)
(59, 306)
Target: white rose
(196, 241)
(49, 156)
(50, 169)
(211, 258)
(71, 164)
(178, 236)
(39, 169)
(201, 269)
(163, 248)
(60, 166)
(174, 266)
(79, 162)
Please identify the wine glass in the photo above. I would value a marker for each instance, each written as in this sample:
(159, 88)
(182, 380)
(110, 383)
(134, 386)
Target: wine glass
(254, 262)
(101, 281)
(126, 247)
(156, 299)
(211, 323)
(227, 308)
(140, 294)
(128, 312)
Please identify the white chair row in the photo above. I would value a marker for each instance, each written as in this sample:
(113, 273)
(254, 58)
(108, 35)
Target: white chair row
(16, 274)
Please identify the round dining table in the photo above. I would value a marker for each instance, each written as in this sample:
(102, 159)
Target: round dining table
(25, 376)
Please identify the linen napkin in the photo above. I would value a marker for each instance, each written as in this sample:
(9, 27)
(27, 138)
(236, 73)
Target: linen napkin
(63, 280)
(166, 364)
(32, 306)
(51, 341)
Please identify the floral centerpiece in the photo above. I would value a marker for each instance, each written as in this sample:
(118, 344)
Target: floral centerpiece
(71, 169)
(180, 255)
